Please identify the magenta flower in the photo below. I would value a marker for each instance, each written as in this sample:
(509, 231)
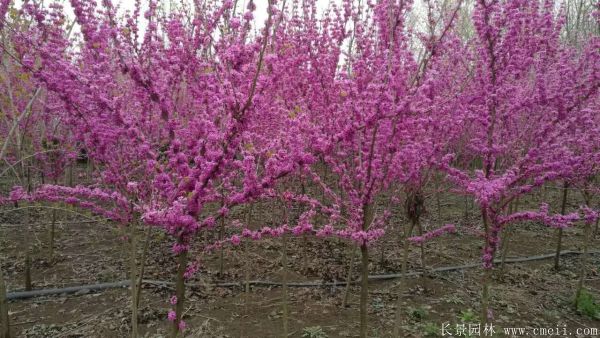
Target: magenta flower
(181, 325)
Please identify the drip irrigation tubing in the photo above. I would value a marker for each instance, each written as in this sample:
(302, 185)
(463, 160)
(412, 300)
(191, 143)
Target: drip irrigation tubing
(84, 289)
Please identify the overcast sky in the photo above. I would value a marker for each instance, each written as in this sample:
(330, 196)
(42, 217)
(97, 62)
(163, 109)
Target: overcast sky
(260, 13)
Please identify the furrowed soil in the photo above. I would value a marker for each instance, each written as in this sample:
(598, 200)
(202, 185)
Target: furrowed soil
(88, 251)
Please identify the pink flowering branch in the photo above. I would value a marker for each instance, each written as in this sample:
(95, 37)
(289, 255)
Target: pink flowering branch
(543, 216)
(446, 229)
(110, 205)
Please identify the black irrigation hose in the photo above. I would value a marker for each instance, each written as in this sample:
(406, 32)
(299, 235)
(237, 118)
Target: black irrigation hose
(84, 289)
(68, 290)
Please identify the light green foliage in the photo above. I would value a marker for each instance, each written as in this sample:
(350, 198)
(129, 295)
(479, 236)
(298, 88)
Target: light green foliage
(586, 305)
(314, 332)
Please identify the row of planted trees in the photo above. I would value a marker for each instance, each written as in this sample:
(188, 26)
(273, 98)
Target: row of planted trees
(188, 114)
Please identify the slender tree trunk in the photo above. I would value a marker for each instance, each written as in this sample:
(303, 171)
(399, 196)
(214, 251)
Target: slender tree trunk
(559, 232)
(364, 279)
(486, 279)
(422, 244)
(544, 192)
(4, 319)
(505, 245)
(513, 207)
(133, 286)
(414, 208)
(89, 168)
(221, 235)
(406, 244)
(51, 236)
(52, 233)
(285, 286)
(485, 295)
(246, 290)
(284, 264)
(69, 177)
(466, 214)
(406, 248)
(382, 253)
(364, 290)
(438, 204)
(246, 273)
(142, 268)
(584, 259)
(305, 259)
(349, 278)
(179, 293)
(27, 277)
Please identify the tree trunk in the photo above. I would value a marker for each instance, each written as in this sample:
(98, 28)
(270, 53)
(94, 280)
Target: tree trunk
(285, 286)
(51, 236)
(246, 249)
(584, 259)
(364, 279)
(89, 169)
(586, 243)
(466, 213)
(284, 264)
(406, 244)
(179, 293)
(4, 319)
(69, 177)
(559, 232)
(133, 286)
(364, 290)
(505, 245)
(438, 204)
(407, 247)
(142, 268)
(29, 229)
(485, 295)
(382, 253)
(513, 207)
(349, 278)
(27, 270)
(485, 282)
(221, 234)
(422, 244)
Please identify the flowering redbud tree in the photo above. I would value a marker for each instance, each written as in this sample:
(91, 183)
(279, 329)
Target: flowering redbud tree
(168, 115)
(526, 103)
(369, 123)
(585, 147)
